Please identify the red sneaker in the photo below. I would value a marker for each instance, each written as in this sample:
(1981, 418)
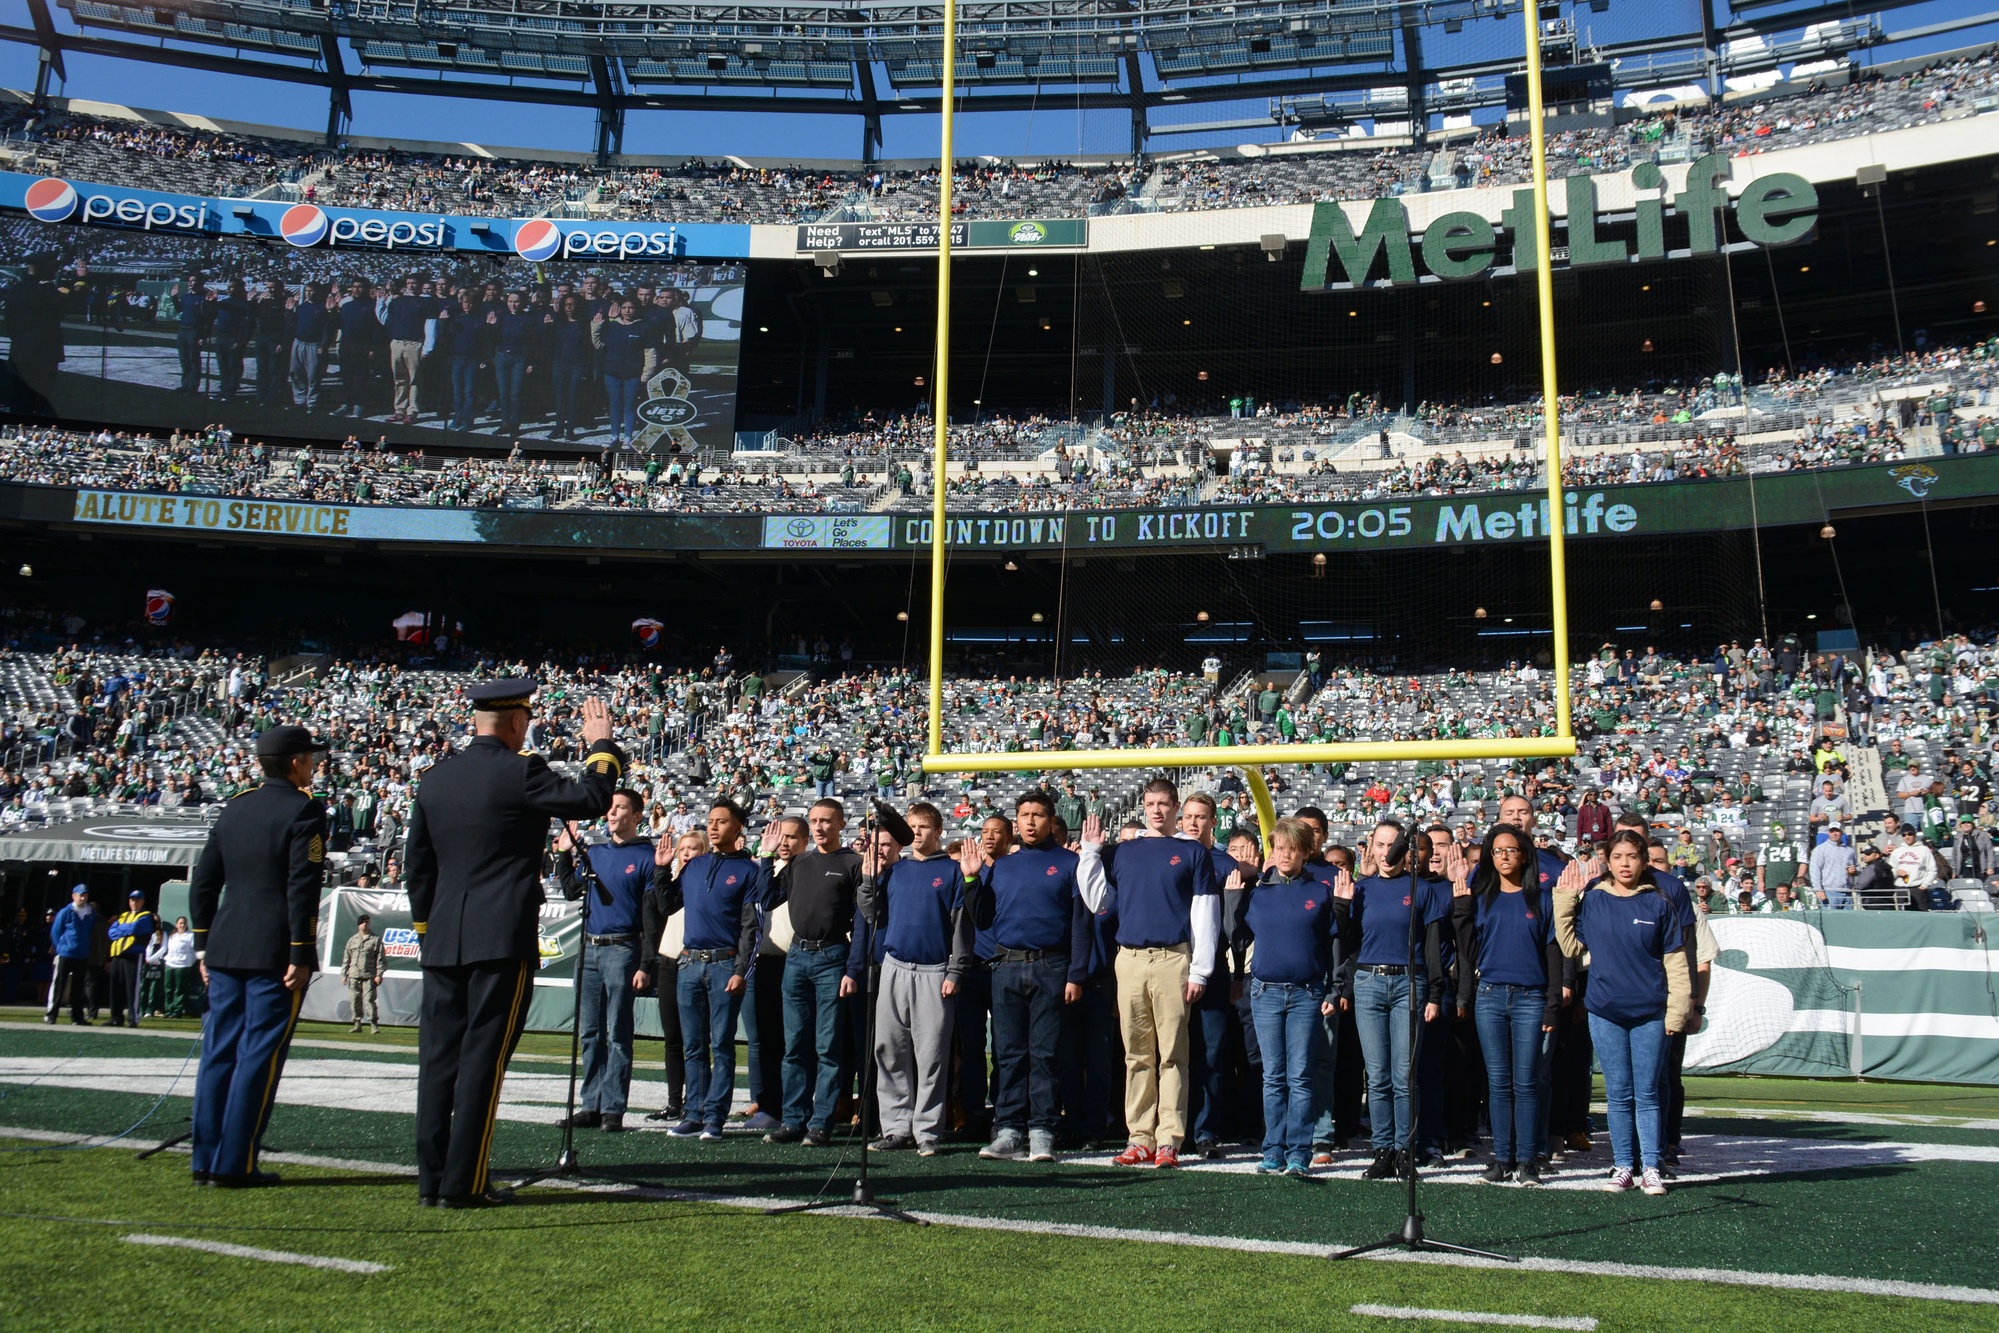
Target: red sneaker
(1166, 1157)
(1136, 1154)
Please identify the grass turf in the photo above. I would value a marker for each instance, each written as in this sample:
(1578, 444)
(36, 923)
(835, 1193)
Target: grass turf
(566, 1260)
(1906, 1222)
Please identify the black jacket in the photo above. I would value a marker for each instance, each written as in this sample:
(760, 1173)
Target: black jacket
(254, 896)
(477, 830)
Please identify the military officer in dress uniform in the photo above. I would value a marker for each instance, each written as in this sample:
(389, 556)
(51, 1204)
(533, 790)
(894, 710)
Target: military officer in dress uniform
(477, 830)
(254, 900)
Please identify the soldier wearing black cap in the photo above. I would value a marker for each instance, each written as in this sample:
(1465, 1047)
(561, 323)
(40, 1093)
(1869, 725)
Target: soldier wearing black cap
(477, 830)
(255, 944)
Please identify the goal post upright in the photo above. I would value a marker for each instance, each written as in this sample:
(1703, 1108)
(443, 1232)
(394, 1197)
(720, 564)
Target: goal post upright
(1251, 758)
(940, 398)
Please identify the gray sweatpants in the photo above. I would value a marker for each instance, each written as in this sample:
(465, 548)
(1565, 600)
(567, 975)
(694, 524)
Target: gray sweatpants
(912, 1046)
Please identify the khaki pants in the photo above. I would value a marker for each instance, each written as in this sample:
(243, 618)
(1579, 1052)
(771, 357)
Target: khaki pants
(361, 992)
(1152, 1014)
(405, 356)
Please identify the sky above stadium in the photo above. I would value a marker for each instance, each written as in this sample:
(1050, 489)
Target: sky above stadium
(1054, 129)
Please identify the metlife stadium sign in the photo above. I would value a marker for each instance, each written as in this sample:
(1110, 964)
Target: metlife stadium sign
(308, 225)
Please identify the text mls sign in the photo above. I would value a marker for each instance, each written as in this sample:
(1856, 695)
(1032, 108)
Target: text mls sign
(1057, 233)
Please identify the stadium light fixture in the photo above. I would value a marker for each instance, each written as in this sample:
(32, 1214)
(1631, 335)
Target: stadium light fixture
(1201, 616)
(1498, 358)
(1036, 617)
(1479, 614)
(1011, 567)
(1658, 605)
(1978, 307)
(1828, 532)
(763, 328)
(28, 572)
(902, 615)
(1274, 243)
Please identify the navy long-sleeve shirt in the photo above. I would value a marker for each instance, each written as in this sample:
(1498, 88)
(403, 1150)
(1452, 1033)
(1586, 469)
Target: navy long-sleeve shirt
(924, 901)
(1293, 923)
(1029, 901)
(626, 869)
(721, 893)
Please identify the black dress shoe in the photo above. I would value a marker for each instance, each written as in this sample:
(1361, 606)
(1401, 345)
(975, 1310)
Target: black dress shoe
(426, 1201)
(253, 1180)
(201, 1177)
(495, 1197)
(817, 1138)
(612, 1122)
(581, 1120)
(1382, 1167)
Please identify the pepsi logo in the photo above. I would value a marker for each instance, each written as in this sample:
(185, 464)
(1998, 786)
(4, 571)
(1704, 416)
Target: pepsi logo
(537, 239)
(303, 225)
(51, 200)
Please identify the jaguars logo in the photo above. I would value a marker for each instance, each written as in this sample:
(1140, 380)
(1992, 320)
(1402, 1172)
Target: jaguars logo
(1915, 478)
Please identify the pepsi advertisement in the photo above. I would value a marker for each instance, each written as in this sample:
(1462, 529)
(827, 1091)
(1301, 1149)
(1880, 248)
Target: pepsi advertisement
(164, 310)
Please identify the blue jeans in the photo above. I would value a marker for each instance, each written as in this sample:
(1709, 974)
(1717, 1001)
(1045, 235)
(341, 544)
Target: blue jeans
(604, 1018)
(510, 371)
(1208, 1031)
(1509, 1033)
(1631, 1055)
(812, 1066)
(623, 393)
(708, 1034)
(972, 1023)
(464, 392)
(1381, 1013)
(568, 377)
(1027, 1029)
(1290, 1034)
(1839, 898)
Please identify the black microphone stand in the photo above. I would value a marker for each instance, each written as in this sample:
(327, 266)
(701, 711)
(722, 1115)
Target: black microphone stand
(864, 1194)
(567, 1166)
(1411, 1236)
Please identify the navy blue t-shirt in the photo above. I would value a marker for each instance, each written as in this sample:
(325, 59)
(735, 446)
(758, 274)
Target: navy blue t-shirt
(1381, 908)
(1157, 880)
(922, 895)
(1034, 900)
(1513, 941)
(312, 322)
(1626, 939)
(1293, 925)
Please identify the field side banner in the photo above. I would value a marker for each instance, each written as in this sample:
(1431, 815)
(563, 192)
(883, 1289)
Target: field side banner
(308, 225)
(1478, 519)
(401, 995)
(1783, 997)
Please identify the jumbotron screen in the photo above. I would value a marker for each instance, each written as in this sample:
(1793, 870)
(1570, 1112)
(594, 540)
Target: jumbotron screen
(423, 349)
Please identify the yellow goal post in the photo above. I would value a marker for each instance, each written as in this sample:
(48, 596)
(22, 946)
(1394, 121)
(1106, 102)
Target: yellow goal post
(1250, 758)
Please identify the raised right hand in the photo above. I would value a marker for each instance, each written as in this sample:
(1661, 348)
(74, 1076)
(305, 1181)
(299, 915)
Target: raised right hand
(971, 857)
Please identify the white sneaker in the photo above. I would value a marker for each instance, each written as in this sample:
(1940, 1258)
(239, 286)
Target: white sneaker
(1005, 1147)
(1040, 1146)
(1620, 1180)
(1653, 1182)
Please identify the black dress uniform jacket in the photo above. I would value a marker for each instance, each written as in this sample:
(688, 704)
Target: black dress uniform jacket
(269, 848)
(477, 829)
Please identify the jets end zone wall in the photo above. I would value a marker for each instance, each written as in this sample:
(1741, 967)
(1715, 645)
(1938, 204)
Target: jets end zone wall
(1893, 995)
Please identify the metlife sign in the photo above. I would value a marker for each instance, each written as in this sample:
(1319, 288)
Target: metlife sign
(309, 225)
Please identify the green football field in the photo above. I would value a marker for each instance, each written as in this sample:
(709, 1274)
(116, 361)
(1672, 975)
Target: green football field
(1803, 1206)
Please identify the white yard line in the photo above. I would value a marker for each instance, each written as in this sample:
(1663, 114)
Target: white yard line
(264, 1256)
(1583, 1323)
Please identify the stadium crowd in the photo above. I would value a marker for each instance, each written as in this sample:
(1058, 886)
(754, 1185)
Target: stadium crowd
(144, 153)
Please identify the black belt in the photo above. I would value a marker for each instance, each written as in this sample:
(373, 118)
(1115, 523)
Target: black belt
(818, 946)
(708, 955)
(1030, 955)
(1385, 969)
(624, 938)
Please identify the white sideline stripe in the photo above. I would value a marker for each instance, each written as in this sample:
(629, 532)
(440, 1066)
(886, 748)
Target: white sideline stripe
(1924, 959)
(1980, 1026)
(267, 1256)
(1863, 1286)
(1581, 1322)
